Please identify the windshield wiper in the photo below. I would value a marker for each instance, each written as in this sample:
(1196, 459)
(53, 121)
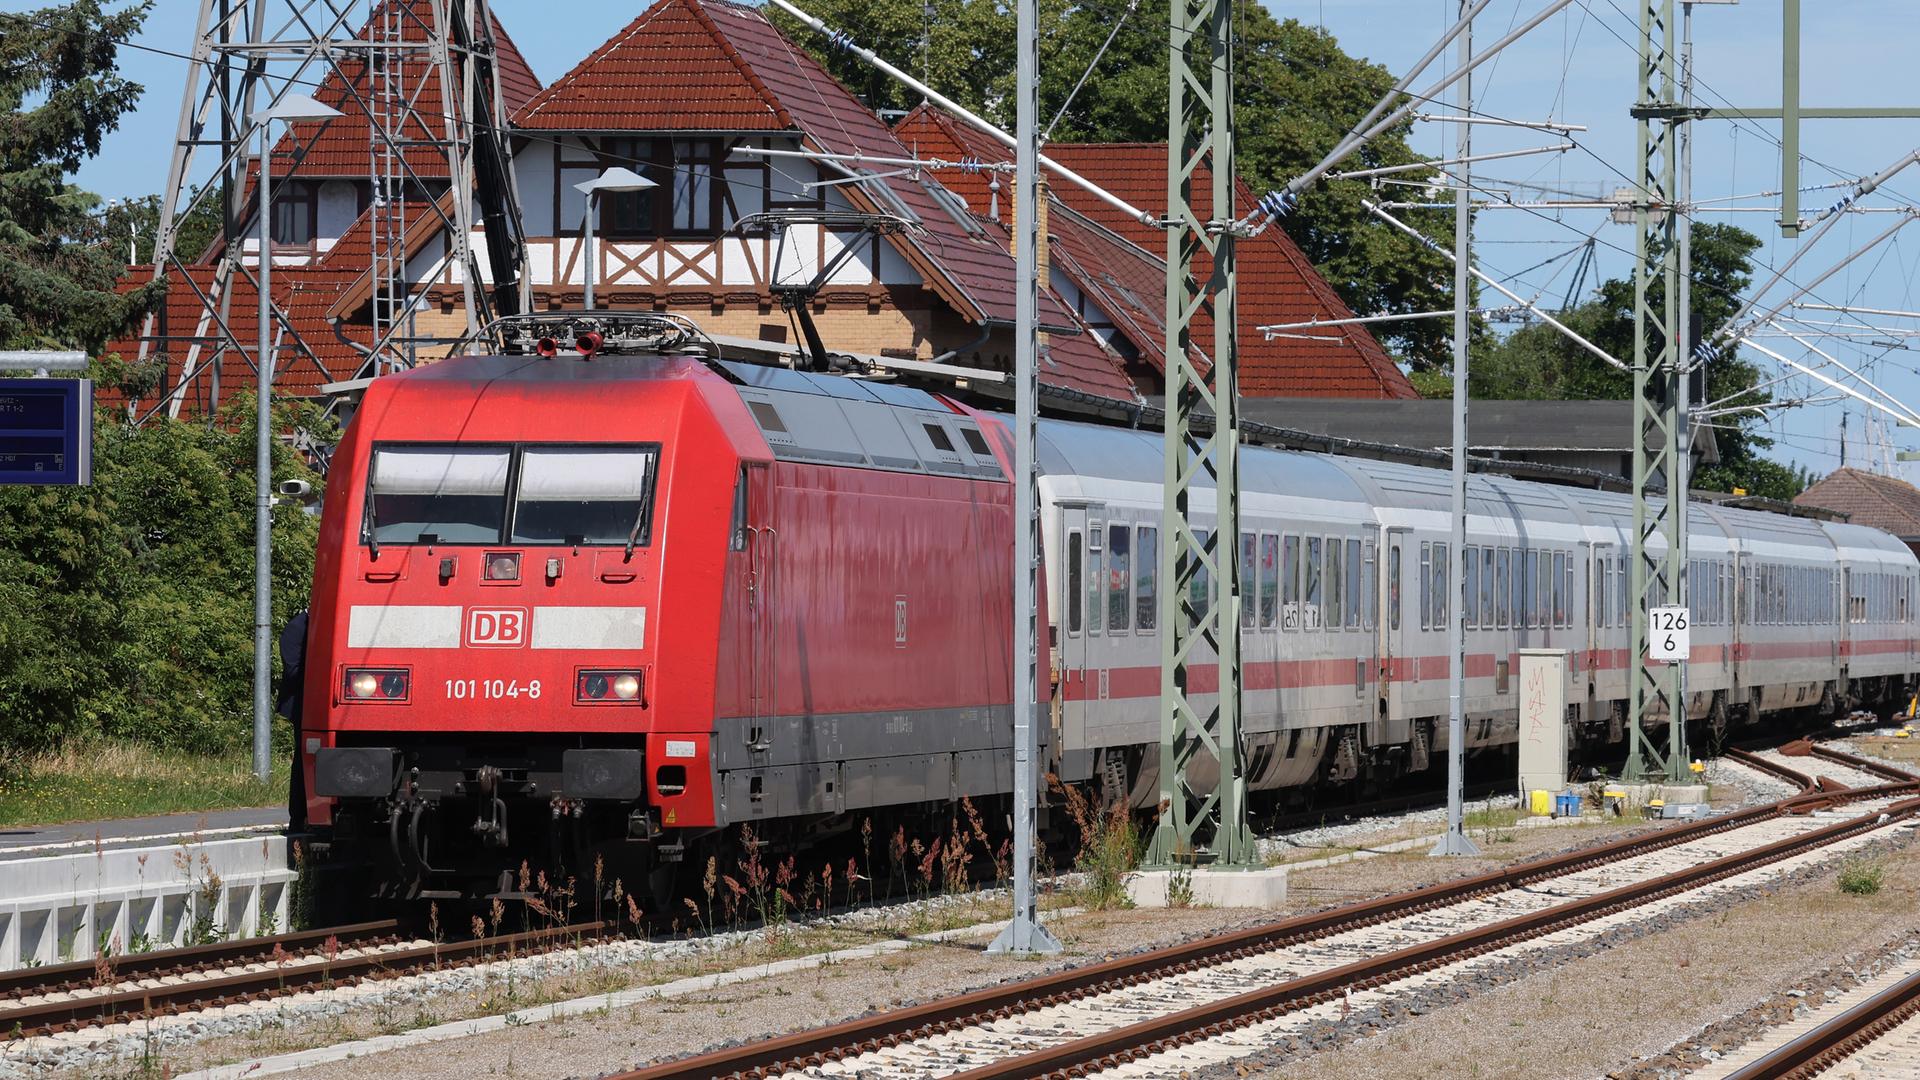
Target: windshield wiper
(639, 521)
(368, 530)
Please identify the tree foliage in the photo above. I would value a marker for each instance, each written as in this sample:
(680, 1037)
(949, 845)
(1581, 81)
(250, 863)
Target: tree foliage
(1296, 93)
(56, 287)
(1540, 362)
(126, 606)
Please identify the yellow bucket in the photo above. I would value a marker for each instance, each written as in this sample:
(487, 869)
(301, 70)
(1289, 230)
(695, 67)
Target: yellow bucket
(1540, 803)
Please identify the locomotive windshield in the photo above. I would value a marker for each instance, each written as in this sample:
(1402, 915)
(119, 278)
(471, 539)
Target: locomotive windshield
(526, 495)
(583, 496)
(438, 494)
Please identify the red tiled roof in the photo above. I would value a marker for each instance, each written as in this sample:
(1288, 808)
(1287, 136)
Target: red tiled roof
(1277, 283)
(1081, 362)
(662, 72)
(1868, 499)
(340, 146)
(353, 250)
(835, 121)
(707, 65)
(1128, 284)
(932, 133)
(309, 358)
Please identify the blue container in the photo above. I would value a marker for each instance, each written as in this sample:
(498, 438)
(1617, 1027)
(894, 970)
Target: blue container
(1566, 804)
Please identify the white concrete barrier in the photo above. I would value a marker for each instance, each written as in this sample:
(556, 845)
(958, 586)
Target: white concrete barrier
(64, 906)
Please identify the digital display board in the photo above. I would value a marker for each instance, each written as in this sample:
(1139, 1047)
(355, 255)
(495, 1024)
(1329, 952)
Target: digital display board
(46, 431)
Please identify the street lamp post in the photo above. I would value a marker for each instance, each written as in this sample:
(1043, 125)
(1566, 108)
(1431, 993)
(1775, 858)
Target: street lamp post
(614, 179)
(289, 108)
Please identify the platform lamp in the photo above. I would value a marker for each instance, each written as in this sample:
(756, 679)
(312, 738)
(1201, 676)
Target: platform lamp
(289, 109)
(616, 179)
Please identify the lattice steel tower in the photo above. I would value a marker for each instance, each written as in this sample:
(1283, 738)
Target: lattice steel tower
(1197, 826)
(1659, 557)
(419, 77)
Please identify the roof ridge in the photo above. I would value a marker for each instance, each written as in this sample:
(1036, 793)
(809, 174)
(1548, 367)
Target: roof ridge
(738, 61)
(622, 38)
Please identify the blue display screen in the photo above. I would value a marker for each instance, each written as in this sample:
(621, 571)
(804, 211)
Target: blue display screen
(46, 431)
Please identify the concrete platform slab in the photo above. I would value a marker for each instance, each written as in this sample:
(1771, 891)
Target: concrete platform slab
(1262, 888)
(36, 841)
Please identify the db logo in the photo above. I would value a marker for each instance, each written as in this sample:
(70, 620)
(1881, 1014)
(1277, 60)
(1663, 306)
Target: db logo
(496, 627)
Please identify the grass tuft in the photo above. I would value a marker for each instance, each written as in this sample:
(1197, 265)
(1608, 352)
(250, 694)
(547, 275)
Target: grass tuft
(98, 779)
(1862, 877)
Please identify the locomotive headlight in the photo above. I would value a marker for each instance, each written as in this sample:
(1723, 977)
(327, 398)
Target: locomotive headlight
(608, 687)
(377, 685)
(503, 566)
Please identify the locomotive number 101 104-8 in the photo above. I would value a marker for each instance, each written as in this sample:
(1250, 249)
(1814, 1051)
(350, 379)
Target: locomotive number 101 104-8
(492, 689)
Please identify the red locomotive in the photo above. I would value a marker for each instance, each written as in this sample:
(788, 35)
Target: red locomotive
(578, 603)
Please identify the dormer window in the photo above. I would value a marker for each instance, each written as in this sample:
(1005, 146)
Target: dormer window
(688, 200)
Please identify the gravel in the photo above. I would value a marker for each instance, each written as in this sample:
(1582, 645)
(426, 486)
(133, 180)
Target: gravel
(497, 984)
(1616, 1003)
(384, 1007)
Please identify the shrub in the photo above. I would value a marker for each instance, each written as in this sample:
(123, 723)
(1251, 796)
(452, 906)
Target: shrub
(126, 606)
(1862, 877)
(1109, 849)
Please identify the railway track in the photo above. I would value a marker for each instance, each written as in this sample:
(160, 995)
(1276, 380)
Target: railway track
(87, 994)
(1878, 1037)
(1122, 1014)
(74, 997)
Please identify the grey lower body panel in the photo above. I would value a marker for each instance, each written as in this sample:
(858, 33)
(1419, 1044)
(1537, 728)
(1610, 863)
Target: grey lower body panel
(779, 767)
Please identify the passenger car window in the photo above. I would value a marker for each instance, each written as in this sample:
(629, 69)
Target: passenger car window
(1146, 575)
(1354, 576)
(1426, 586)
(1334, 614)
(1119, 598)
(1096, 585)
(1248, 603)
(1470, 602)
(579, 495)
(1393, 588)
(1075, 585)
(1315, 594)
(1289, 587)
(1500, 587)
(445, 495)
(1270, 579)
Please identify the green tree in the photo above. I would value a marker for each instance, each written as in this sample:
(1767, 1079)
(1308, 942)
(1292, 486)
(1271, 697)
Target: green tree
(56, 277)
(1540, 362)
(1296, 93)
(126, 606)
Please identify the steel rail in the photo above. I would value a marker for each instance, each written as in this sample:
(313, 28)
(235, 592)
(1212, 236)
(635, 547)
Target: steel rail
(1169, 1032)
(60, 978)
(837, 1042)
(73, 1014)
(1840, 1038)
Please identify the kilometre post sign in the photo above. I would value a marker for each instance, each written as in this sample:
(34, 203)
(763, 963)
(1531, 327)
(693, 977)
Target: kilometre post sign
(1667, 634)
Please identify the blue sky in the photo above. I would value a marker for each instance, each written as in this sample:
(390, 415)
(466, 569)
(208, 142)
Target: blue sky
(1579, 67)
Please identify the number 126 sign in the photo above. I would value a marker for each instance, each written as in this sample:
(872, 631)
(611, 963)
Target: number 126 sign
(1667, 634)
